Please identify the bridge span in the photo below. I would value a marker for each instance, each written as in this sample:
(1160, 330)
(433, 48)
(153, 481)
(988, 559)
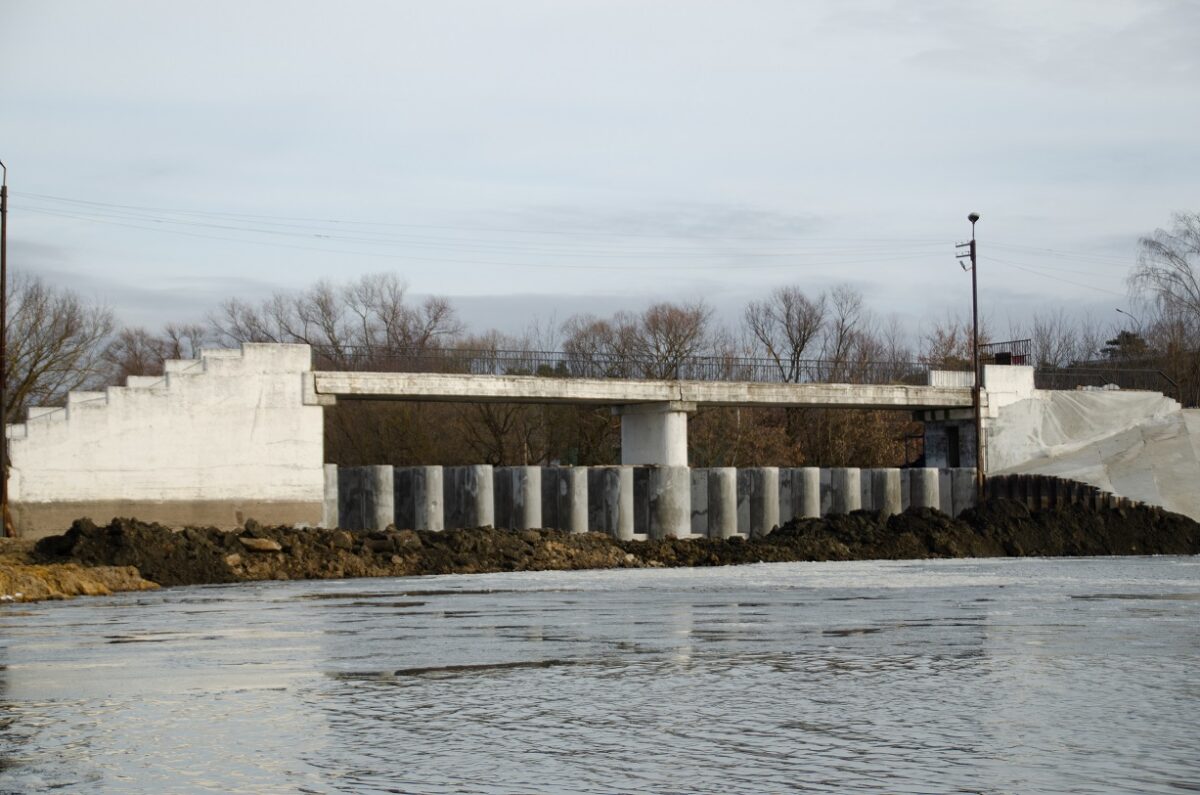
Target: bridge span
(626, 392)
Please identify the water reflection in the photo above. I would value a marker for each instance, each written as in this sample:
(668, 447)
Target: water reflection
(979, 676)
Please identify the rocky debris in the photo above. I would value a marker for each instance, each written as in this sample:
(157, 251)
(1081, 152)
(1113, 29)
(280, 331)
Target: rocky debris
(996, 529)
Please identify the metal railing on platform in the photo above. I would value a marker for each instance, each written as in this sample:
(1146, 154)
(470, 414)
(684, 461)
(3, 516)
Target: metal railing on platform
(1105, 378)
(566, 364)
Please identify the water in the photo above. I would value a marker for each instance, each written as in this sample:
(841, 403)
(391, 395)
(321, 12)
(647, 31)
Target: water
(1004, 676)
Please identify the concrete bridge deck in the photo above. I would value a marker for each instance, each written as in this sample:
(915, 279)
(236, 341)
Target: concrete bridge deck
(618, 392)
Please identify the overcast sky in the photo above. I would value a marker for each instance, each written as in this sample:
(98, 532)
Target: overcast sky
(543, 158)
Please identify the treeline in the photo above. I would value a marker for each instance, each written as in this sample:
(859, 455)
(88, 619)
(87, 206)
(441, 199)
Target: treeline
(58, 342)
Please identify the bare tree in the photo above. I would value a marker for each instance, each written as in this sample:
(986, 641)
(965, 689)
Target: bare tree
(55, 342)
(360, 324)
(1168, 269)
(785, 325)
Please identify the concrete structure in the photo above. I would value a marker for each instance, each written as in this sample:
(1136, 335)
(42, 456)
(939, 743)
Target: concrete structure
(610, 501)
(758, 495)
(846, 488)
(722, 502)
(669, 497)
(518, 492)
(924, 488)
(365, 497)
(468, 496)
(565, 498)
(214, 441)
(418, 497)
(699, 502)
(237, 434)
(885, 491)
(364, 494)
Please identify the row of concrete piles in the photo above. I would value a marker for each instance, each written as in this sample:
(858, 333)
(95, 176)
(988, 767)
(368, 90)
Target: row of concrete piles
(626, 501)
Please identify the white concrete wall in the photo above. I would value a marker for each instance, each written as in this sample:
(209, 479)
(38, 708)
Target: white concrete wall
(233, 425)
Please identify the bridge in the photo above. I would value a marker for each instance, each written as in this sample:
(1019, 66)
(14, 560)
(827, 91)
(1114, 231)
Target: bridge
(239, 433)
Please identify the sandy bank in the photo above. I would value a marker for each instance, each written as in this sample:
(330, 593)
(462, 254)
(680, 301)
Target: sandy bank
(25, 577)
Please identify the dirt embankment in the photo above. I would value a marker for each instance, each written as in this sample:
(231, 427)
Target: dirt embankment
(997, 529)
(26, 577)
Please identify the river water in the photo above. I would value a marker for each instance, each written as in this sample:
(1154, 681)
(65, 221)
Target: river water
(984, 676)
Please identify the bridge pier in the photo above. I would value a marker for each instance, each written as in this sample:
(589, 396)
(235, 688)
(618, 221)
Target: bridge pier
(654, 433)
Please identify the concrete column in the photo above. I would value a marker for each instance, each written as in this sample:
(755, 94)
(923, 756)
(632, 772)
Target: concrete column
(962, 484)
(654, 433)
(764, 500)
(866, 483)
(923, 484)
(419, 495)
(846, 485)
(699, 526)
(885, 491)
(745, 489)
(722, 502)
(565, 498)
(329, 506)
(518, 492)
(610, 501)
(808, 481)
(365, 497)
(789, 498)
(641, 500)
(826, 476)
(468, 496)
(670, 493)
(905, 488)
(945, 491)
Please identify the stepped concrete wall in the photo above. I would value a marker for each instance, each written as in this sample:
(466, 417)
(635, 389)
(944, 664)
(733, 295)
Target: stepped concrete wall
(214, 441)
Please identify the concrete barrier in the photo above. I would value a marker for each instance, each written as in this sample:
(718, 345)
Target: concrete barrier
(610, 501)
(669, 492)
(565, 498)
(717, 502)
(468, 496)
(365, 497)
(419, 494)
(885, 491)
(923, 485)
(700, 506)
(846, 488)
(518, 492)
(964, 491)
(722, 502)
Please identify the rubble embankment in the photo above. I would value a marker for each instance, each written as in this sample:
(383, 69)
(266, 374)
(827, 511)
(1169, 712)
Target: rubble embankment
(997, 529)
(25, 576)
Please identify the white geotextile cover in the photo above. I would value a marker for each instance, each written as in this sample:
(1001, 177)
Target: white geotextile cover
(1140, 445)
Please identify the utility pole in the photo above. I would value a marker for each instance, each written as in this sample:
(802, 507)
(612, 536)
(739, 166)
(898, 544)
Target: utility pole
(977, 364)
(3, 350)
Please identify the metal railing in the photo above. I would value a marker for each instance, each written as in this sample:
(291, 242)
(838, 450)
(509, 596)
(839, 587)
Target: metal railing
(1007, 352)
(562, 364)
(1105, 378)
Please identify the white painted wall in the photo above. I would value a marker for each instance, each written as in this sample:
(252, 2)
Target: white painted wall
(231, 425)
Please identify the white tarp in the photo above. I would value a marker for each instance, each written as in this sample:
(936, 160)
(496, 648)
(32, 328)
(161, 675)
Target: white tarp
(1140, 445)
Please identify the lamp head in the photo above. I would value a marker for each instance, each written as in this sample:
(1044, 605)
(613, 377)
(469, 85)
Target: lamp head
(973, 217)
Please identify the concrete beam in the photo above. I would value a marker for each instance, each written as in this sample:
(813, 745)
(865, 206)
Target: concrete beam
(618, 392)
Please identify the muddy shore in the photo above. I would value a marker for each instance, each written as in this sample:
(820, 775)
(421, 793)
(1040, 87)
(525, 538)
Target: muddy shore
(194, 556)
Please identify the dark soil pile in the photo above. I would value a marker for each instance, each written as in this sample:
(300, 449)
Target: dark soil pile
(995, 529)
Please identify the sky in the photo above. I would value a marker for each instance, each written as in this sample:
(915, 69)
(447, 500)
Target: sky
(535, 159)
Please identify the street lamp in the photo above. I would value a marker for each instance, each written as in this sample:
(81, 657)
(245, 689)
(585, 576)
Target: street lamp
(3, 350)
(976, 363)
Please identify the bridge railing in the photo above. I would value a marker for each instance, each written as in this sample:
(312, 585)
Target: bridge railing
(562, 364)
(1105, 378)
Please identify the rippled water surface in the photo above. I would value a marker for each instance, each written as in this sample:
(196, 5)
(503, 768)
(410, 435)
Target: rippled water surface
(1023, 676)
